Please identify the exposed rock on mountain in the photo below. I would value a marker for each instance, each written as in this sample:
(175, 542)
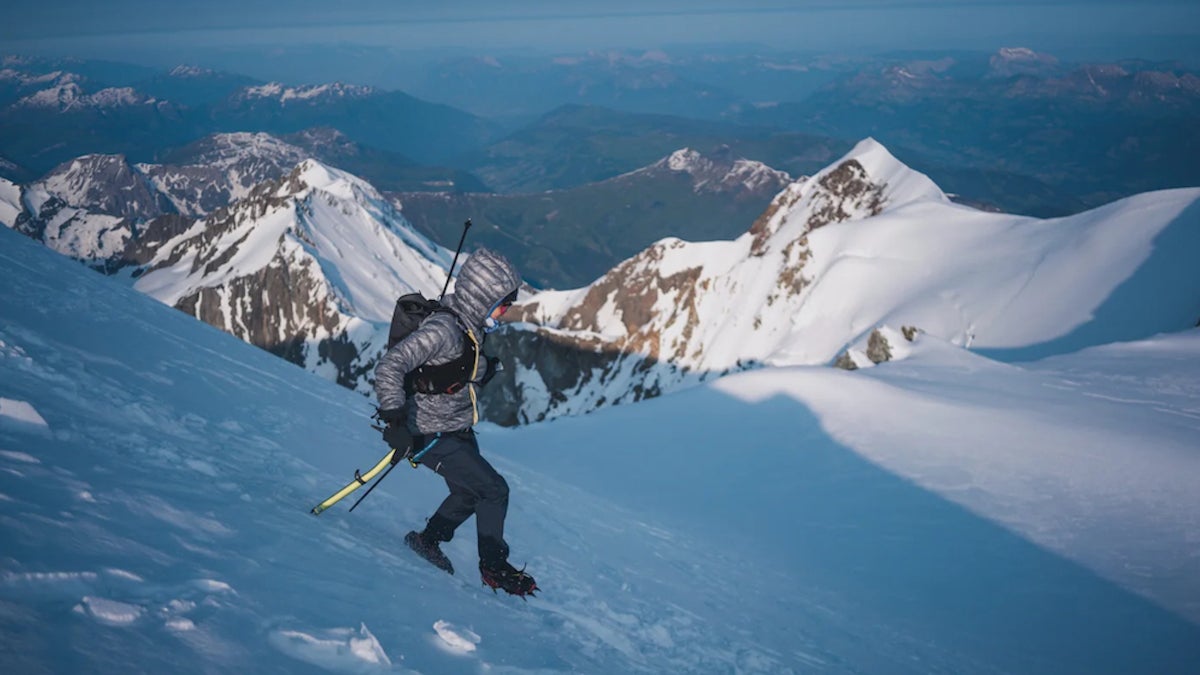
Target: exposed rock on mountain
(307, 267)
(107, 184)
(100, 208)
(222, 168)
(92, 238)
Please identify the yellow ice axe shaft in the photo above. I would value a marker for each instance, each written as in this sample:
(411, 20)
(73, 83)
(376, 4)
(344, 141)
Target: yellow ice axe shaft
(360, 479)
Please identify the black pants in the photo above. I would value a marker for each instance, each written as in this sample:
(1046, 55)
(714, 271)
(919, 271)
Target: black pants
(475, 488)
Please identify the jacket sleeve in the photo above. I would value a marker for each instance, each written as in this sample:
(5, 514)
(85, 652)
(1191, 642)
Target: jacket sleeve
(430, 342)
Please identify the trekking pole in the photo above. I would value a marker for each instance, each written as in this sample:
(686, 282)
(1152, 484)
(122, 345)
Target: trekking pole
(466, 226)
(377, 482)
(360, 479)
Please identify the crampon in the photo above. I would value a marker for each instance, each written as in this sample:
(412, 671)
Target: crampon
(509, 579)
(429, 550)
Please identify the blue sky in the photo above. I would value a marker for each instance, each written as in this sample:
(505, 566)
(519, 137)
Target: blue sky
(856, 26)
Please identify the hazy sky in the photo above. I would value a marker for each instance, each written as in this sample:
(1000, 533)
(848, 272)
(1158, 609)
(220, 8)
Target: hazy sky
(1119, 28)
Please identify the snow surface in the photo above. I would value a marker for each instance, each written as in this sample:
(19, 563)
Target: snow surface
(941, 514)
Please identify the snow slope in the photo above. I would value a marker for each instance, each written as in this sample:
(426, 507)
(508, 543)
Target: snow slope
(941, 514)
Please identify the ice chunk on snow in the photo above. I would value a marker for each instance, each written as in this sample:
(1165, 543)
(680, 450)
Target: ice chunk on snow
(455, 639)
(342, 650)
(109, 612)
(21, 412)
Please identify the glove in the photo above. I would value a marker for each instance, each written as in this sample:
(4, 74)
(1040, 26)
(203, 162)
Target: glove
(392, 416)
(398, 438)
(396, 434)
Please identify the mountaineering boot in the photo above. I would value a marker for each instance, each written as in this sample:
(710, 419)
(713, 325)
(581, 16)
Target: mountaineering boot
(430, 550)
(504, 576)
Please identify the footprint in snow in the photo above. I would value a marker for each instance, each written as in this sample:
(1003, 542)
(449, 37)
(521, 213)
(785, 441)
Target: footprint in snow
(343, 650)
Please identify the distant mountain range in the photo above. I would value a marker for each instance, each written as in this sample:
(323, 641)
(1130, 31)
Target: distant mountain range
(1014, 130)
(839, 266)
(560, 238)
(573, 145)
(515, 86)
(51, 115)
(1094, 132)
(299, 241)
(565, 238)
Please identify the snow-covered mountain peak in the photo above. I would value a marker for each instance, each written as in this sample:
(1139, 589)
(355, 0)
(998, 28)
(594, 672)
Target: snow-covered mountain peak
(226, 150)
(685, 159)
(15, 60)
(864, 243)
(222, 168)
(1013, 61)
(754, 175)
(102, 184)
(865, 182)
(715, 305)
(77, 181)
(283, 93)
(118, 96)
(58, 77)
(1020, 54)
(60, 96)
(309, 266)
(186, 71)
(307, 263)
(67, 94)
(718, 171)
(312, 176)
(320, 176)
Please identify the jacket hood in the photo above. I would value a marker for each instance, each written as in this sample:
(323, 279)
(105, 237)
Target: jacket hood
(485, 278)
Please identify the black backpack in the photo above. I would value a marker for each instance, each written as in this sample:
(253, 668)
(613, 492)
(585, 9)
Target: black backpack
(411, 310)
(446, 378)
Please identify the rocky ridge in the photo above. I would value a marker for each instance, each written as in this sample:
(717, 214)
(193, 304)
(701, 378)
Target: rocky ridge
(681, 312)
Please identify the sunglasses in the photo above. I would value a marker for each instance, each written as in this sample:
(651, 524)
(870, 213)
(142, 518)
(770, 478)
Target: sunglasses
(507, 301)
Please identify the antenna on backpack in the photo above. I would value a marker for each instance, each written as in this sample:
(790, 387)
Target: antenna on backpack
(466, 226)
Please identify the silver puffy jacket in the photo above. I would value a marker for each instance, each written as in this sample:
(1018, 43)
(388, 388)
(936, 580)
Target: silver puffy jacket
(484, 280)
